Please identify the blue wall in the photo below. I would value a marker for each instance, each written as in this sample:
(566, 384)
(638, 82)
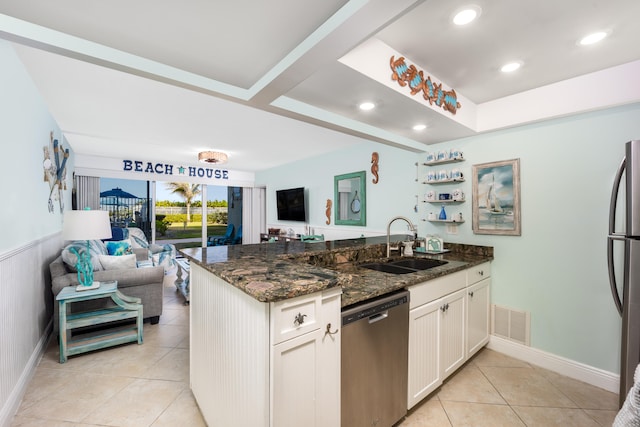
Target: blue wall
(396, 176)
(556, 269)
(26, 124)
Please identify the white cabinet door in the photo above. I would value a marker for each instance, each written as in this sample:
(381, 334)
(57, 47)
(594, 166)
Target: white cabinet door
(305, 373)
(424, 358)
(452, 332)
(478, 299)
(296, 381)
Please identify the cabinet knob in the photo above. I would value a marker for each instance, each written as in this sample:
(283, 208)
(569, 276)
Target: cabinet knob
(444, 307)
(481, 272)
(299, 319)
(471, 294)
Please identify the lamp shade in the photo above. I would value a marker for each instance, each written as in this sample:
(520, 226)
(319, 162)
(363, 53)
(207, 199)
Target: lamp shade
(86, 225)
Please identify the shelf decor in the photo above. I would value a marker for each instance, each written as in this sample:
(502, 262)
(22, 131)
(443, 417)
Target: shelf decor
(410, 76)
(496, 198)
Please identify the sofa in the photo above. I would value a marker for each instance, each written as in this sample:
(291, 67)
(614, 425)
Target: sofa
(136, 276)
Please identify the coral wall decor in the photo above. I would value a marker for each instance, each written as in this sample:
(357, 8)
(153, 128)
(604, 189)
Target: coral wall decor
(374, 166)
(410, 76)
(55, 171)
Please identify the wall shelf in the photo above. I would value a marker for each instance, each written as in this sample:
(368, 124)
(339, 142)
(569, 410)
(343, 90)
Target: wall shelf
(437, 202)
(444, 181)
(449, 221)
(443, 162)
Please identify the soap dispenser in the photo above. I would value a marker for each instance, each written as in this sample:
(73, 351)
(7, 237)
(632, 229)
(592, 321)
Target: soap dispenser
(443, 214)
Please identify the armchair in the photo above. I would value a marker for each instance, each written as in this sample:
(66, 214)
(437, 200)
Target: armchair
(164, 255)
(221, 240)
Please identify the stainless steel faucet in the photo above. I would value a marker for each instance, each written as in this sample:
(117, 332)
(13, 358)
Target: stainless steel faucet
(411, 227)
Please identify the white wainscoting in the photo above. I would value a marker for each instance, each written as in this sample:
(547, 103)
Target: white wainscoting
(229, 355)
(26, 310)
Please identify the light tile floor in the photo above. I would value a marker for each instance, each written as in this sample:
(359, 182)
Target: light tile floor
(148, 385)
(130, 385)
(493, 390)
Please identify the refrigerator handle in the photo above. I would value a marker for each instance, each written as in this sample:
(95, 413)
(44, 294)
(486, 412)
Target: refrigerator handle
(612, 236)
(612, 275)
(614, 197)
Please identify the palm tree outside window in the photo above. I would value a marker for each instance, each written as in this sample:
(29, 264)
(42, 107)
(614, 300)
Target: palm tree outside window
(187, 191)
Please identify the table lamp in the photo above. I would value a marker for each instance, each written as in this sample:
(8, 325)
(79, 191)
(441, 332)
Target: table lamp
(85, 225)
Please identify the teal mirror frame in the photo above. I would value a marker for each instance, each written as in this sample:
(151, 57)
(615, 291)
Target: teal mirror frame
(350, 199)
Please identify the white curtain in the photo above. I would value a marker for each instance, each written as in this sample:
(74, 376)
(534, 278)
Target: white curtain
(254, 220)
(87, 192)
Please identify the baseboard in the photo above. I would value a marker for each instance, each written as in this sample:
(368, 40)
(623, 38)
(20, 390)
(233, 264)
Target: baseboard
(15, 397)
(570, 368)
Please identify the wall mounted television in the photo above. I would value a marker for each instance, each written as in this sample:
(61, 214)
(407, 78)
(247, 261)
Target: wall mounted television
(291, 204)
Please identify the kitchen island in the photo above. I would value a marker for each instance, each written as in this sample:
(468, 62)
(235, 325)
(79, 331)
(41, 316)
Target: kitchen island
(265, 321)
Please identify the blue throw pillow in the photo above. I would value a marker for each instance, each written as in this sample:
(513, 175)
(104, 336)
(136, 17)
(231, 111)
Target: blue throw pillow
(116, 248)
(117, 234)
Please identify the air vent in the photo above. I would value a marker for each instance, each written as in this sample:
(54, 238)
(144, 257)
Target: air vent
(511, 324)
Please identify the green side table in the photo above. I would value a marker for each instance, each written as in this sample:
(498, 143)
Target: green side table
(126, 308)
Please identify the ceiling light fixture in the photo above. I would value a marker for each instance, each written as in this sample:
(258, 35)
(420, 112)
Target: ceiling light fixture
(466, 15)
(419, 127)
(511, 67)
(366, 106)
(593, 38)
(215, 157)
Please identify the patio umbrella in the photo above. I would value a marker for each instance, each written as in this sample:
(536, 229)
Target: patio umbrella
(117, 198)
(117, 193)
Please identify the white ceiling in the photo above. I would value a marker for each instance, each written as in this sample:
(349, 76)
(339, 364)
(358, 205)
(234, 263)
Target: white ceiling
(153, 79)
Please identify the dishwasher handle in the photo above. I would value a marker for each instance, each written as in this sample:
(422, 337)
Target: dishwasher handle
(378, 317)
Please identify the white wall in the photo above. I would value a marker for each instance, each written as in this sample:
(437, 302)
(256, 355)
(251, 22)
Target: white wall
(30, 234)
(557, 268)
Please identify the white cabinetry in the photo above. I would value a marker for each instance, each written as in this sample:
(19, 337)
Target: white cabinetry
(260, 364)
(306, 367)
(436, 333)
(478, 299)
(446, 326)
(452, 339)
(424, 359)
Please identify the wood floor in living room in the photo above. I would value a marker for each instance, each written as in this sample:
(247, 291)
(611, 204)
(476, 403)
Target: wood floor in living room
(148, 386)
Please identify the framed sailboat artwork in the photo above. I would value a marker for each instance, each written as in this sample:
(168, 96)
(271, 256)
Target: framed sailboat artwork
(496, 198)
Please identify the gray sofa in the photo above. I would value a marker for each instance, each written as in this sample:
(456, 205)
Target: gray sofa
(145, 283)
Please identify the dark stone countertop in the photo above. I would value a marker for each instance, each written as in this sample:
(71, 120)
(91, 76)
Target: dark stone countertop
(281, 270)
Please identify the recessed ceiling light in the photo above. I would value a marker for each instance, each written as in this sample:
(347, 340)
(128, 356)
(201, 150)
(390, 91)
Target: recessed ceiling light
(419, 127)
(593, 38)
(466, 15)
(511, 66)
(367, 106)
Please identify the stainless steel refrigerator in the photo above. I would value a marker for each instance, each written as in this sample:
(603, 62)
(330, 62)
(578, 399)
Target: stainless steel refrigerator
(627, 297)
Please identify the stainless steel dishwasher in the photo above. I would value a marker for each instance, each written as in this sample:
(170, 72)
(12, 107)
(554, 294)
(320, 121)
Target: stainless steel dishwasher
(374, 356)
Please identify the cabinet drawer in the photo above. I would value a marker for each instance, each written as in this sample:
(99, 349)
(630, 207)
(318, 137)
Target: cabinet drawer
(478, 273)
(436, 288)
(294, 317)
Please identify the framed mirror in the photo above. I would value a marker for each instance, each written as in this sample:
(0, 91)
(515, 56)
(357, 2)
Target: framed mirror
(350, 199)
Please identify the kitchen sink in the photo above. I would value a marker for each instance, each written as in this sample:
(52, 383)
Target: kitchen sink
(404, 266)
(419, 263)
(387, 268)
